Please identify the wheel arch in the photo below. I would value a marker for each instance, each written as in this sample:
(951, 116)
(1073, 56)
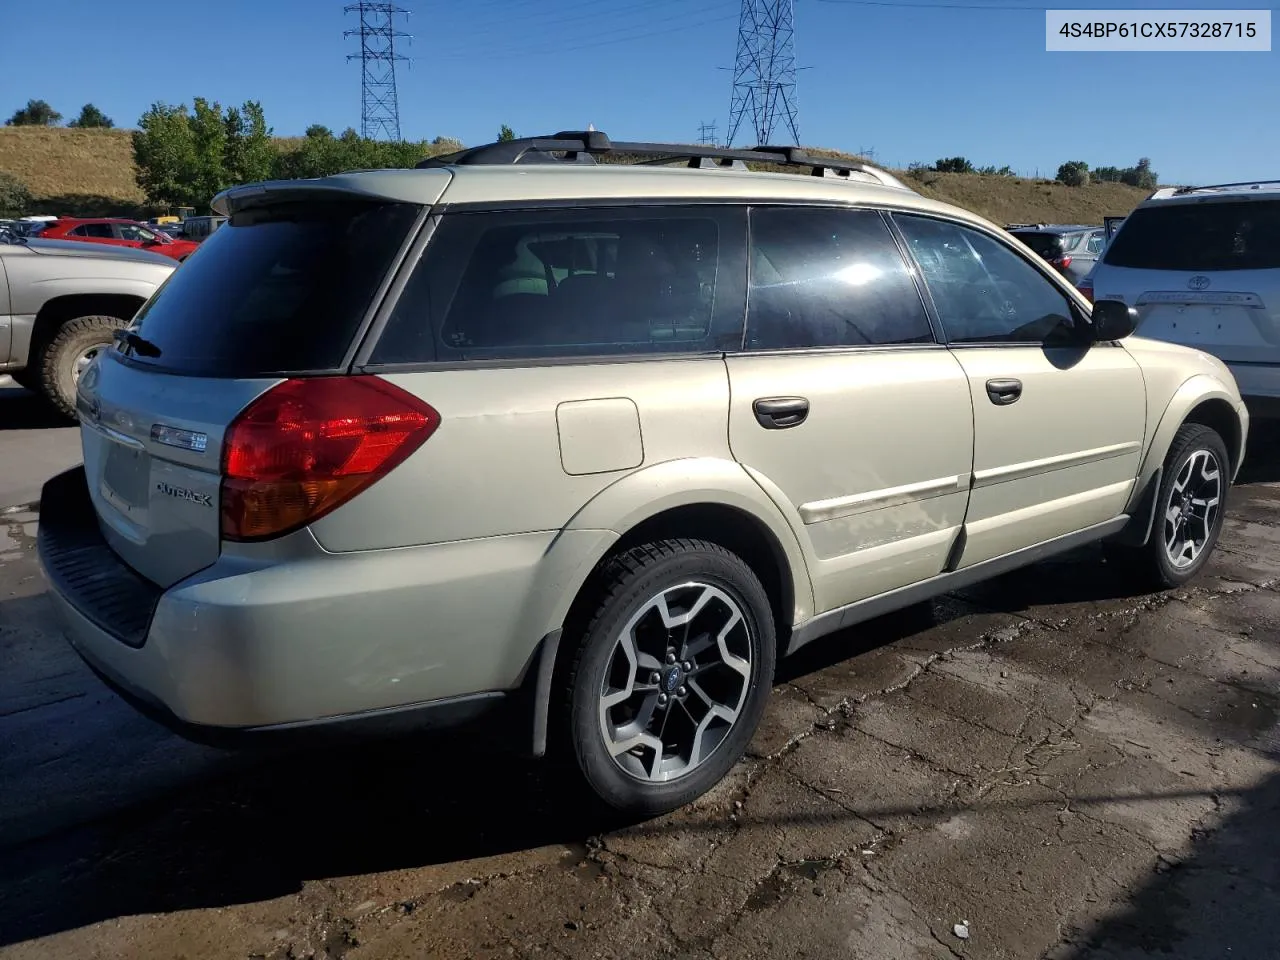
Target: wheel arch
(58, 310)
(1201, 399)
(701, 498)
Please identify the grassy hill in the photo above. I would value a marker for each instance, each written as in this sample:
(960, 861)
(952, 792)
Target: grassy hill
(91, 172)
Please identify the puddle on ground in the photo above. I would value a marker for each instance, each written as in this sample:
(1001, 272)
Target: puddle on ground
(784, 877)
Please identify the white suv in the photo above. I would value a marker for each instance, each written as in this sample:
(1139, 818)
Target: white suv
(595, 444)
(1202, 267)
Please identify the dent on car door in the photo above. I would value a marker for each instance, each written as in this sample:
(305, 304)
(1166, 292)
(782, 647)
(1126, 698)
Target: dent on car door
(844, 407)
(1058, 420)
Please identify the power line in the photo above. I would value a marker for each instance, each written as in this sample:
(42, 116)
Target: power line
(379, 102)
(570, 44)
(764, 71)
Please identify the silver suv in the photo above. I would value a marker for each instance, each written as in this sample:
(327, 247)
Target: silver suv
(595, 443)
(1202, 267)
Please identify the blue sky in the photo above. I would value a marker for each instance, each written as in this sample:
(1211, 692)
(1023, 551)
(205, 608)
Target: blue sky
(914, 83)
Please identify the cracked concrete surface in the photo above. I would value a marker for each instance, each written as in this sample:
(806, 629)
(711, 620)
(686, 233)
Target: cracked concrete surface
(1074, 770)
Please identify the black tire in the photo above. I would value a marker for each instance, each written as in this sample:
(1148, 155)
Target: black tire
(56, 363)
(1151, 564)
(625, 585)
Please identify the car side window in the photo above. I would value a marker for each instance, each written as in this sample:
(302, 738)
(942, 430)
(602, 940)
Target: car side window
(829, 278)
(100, 230)
(129, 231)
(1095, 243)
(984, 291)
(566, 283)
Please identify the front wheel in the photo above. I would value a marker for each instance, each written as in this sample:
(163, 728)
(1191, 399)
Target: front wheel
(670, 677)
(1190, 508)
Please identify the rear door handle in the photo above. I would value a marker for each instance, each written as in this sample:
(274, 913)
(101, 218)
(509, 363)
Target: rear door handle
(1003, 392)
(777, 413)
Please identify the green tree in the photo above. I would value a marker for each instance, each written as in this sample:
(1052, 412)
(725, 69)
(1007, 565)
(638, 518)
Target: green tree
(1074, 173)
(506, 134)
(37, 113)
(1142, 175)
(15, 198)
(185, 157)
(248, 152)
(164, 155)
(91, 116)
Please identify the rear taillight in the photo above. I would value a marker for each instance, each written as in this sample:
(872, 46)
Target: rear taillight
(1062, 262)
(307, 446)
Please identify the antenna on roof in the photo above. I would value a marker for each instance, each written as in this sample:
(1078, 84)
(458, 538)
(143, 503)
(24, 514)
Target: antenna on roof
(591, 128)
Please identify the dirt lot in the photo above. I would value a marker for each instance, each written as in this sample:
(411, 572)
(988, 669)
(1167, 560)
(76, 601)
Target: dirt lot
(1063, 769)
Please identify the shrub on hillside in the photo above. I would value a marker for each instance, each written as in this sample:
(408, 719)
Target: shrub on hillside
(1074, 173)
(91, 116)
(37, 113)
(15, 198)
(953, 165)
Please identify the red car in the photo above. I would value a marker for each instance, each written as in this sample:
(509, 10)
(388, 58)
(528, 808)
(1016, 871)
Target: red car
(119, 233)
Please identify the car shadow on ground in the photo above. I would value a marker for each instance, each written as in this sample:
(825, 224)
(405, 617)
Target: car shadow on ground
(1219, 901)
(1262, 459)
(22, 410)
(260, 829)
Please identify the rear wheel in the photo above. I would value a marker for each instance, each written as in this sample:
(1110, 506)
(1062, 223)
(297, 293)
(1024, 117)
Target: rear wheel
(1190, 508)
(670, 676)
(65, 356)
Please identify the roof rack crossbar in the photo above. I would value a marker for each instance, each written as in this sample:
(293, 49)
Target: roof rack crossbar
(1222, 186)
(584, 146)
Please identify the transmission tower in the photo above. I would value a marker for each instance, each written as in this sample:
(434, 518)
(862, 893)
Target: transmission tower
(764, 74)
(379, 105)
(707, 133)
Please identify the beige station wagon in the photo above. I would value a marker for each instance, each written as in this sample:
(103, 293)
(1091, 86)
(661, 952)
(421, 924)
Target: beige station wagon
(595, 444)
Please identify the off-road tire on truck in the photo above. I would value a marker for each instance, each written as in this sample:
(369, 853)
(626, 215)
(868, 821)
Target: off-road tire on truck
(55, 363)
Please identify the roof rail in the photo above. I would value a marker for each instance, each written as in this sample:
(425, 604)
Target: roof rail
(1183, 191)
(585, 146)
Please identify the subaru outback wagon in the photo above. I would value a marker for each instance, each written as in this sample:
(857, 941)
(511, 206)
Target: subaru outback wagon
(596, 443)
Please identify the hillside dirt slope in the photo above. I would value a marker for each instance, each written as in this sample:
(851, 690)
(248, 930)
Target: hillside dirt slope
(91, 171)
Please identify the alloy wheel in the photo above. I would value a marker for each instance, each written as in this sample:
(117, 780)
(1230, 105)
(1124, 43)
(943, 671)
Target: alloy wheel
(1191, 510)
(676, 681)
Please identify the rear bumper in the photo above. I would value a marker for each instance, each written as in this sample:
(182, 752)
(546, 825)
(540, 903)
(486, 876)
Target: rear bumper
(1259, 385)
(384, 638)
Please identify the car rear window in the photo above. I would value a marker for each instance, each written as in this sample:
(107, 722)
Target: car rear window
(280, 290)
(1226, 235)
(1047, 245)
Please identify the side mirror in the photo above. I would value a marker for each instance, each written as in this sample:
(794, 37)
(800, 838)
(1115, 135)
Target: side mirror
(1113, 320)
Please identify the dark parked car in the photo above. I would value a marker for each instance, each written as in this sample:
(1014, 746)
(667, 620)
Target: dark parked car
(1071, 248)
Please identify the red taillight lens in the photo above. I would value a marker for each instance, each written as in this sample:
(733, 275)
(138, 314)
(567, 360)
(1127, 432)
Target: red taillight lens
(1062, 262)
(307, 446)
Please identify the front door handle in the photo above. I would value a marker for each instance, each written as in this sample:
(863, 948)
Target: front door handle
(1003, 392)
(777, 413)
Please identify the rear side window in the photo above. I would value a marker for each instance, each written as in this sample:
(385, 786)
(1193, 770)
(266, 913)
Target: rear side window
(1226, 235)
(829, 278)
(570, 283)
(274, 291)
(99, 230)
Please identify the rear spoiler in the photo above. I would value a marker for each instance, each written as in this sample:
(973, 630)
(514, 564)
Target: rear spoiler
(397, 186)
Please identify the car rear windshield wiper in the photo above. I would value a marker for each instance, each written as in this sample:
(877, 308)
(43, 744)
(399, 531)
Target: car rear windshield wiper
(139, 345)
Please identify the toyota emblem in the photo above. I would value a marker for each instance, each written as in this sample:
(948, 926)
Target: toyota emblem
(1198, 283)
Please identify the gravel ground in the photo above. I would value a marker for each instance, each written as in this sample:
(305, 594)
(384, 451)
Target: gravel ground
(1046, 766)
